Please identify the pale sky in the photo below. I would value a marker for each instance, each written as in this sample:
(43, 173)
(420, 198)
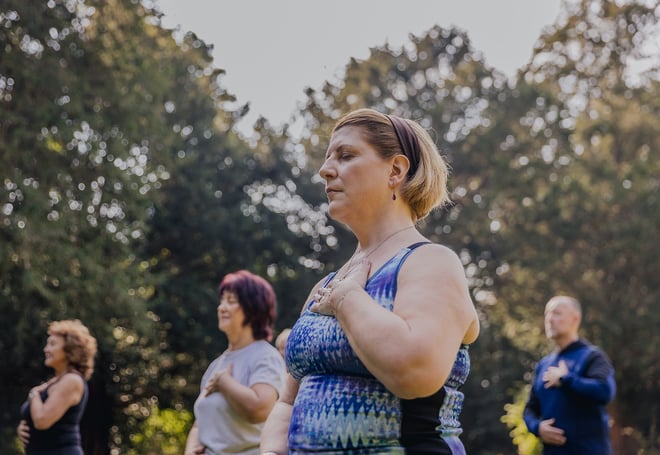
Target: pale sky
(273, 49)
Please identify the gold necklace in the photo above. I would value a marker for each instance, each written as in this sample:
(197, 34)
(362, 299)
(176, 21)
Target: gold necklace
(366, 255)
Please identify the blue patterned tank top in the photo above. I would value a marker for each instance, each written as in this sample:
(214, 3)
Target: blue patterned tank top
(341, 408)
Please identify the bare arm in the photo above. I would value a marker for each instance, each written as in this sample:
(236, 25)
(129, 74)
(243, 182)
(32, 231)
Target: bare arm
(193, 446)
(412, 349)
(253, 403)
(276, 429)
(62, 395)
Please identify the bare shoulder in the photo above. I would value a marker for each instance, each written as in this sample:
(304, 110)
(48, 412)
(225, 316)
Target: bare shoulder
(70, 387)
(434, 257)
(71, 382)
(435, 269)
(433, 276)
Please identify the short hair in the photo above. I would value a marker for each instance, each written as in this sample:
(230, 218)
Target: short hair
(572, 301)
(257, 299)
(79, 346)
(426, 188)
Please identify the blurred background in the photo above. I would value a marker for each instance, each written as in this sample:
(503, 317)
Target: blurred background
(131, 184)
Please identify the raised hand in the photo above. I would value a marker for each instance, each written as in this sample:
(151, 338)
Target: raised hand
(329, 299)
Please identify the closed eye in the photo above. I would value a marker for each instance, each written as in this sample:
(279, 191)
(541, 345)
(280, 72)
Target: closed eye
(342, 152)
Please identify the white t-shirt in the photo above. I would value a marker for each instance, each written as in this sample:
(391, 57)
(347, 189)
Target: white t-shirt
(221, 429)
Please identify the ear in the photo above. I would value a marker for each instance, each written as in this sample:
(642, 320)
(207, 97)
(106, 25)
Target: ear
(399, 171)
(577, 317)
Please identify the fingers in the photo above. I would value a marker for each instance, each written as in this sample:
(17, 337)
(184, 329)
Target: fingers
(325, 300)
(324, 293)
(556, 437)
(23, 431)
(213, 384)
(552, 376)
(322, 302)
(550, 434)
(210, 386)
(328, 298)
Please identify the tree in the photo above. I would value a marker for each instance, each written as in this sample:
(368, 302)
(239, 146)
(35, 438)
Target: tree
(597, 209)
(88, 139)
(541, 177)
(136, 197)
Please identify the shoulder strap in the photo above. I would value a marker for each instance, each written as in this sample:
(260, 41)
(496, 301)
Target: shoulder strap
(415, 245)
(411, 248)
(327, 279)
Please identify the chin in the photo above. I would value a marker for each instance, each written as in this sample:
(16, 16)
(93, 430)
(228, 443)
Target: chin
(223, 325)
(335, 214)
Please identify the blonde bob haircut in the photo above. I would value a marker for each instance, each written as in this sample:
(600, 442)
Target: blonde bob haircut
(79, 346)
(426, 188)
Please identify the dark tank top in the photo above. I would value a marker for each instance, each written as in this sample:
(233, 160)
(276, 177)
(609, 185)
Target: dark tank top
(63, 437)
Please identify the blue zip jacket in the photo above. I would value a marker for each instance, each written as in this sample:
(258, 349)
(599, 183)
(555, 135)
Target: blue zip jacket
(579, 405)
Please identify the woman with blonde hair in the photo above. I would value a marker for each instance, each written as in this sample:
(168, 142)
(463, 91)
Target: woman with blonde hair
(380, 351)
(51, 414)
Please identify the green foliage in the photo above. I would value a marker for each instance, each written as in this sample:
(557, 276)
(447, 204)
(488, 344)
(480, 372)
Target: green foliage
(13, 446)
(554, 191)
(89, 131)
(164, 432)
(527, 443)
(126, 196)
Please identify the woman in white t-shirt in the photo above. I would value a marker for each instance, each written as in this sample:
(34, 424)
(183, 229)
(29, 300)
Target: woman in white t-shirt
(239, 388)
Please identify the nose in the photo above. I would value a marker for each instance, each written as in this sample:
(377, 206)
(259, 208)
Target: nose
(327, 170)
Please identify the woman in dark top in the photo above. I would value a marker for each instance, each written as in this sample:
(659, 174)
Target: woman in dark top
(51, 415)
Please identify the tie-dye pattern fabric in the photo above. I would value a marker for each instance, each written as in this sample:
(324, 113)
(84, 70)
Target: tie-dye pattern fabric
(341, 408)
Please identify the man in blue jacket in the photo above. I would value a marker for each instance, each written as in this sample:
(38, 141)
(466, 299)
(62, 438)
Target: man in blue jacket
(571, 389)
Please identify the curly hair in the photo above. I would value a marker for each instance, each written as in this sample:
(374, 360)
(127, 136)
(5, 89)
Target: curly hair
(79, 346)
